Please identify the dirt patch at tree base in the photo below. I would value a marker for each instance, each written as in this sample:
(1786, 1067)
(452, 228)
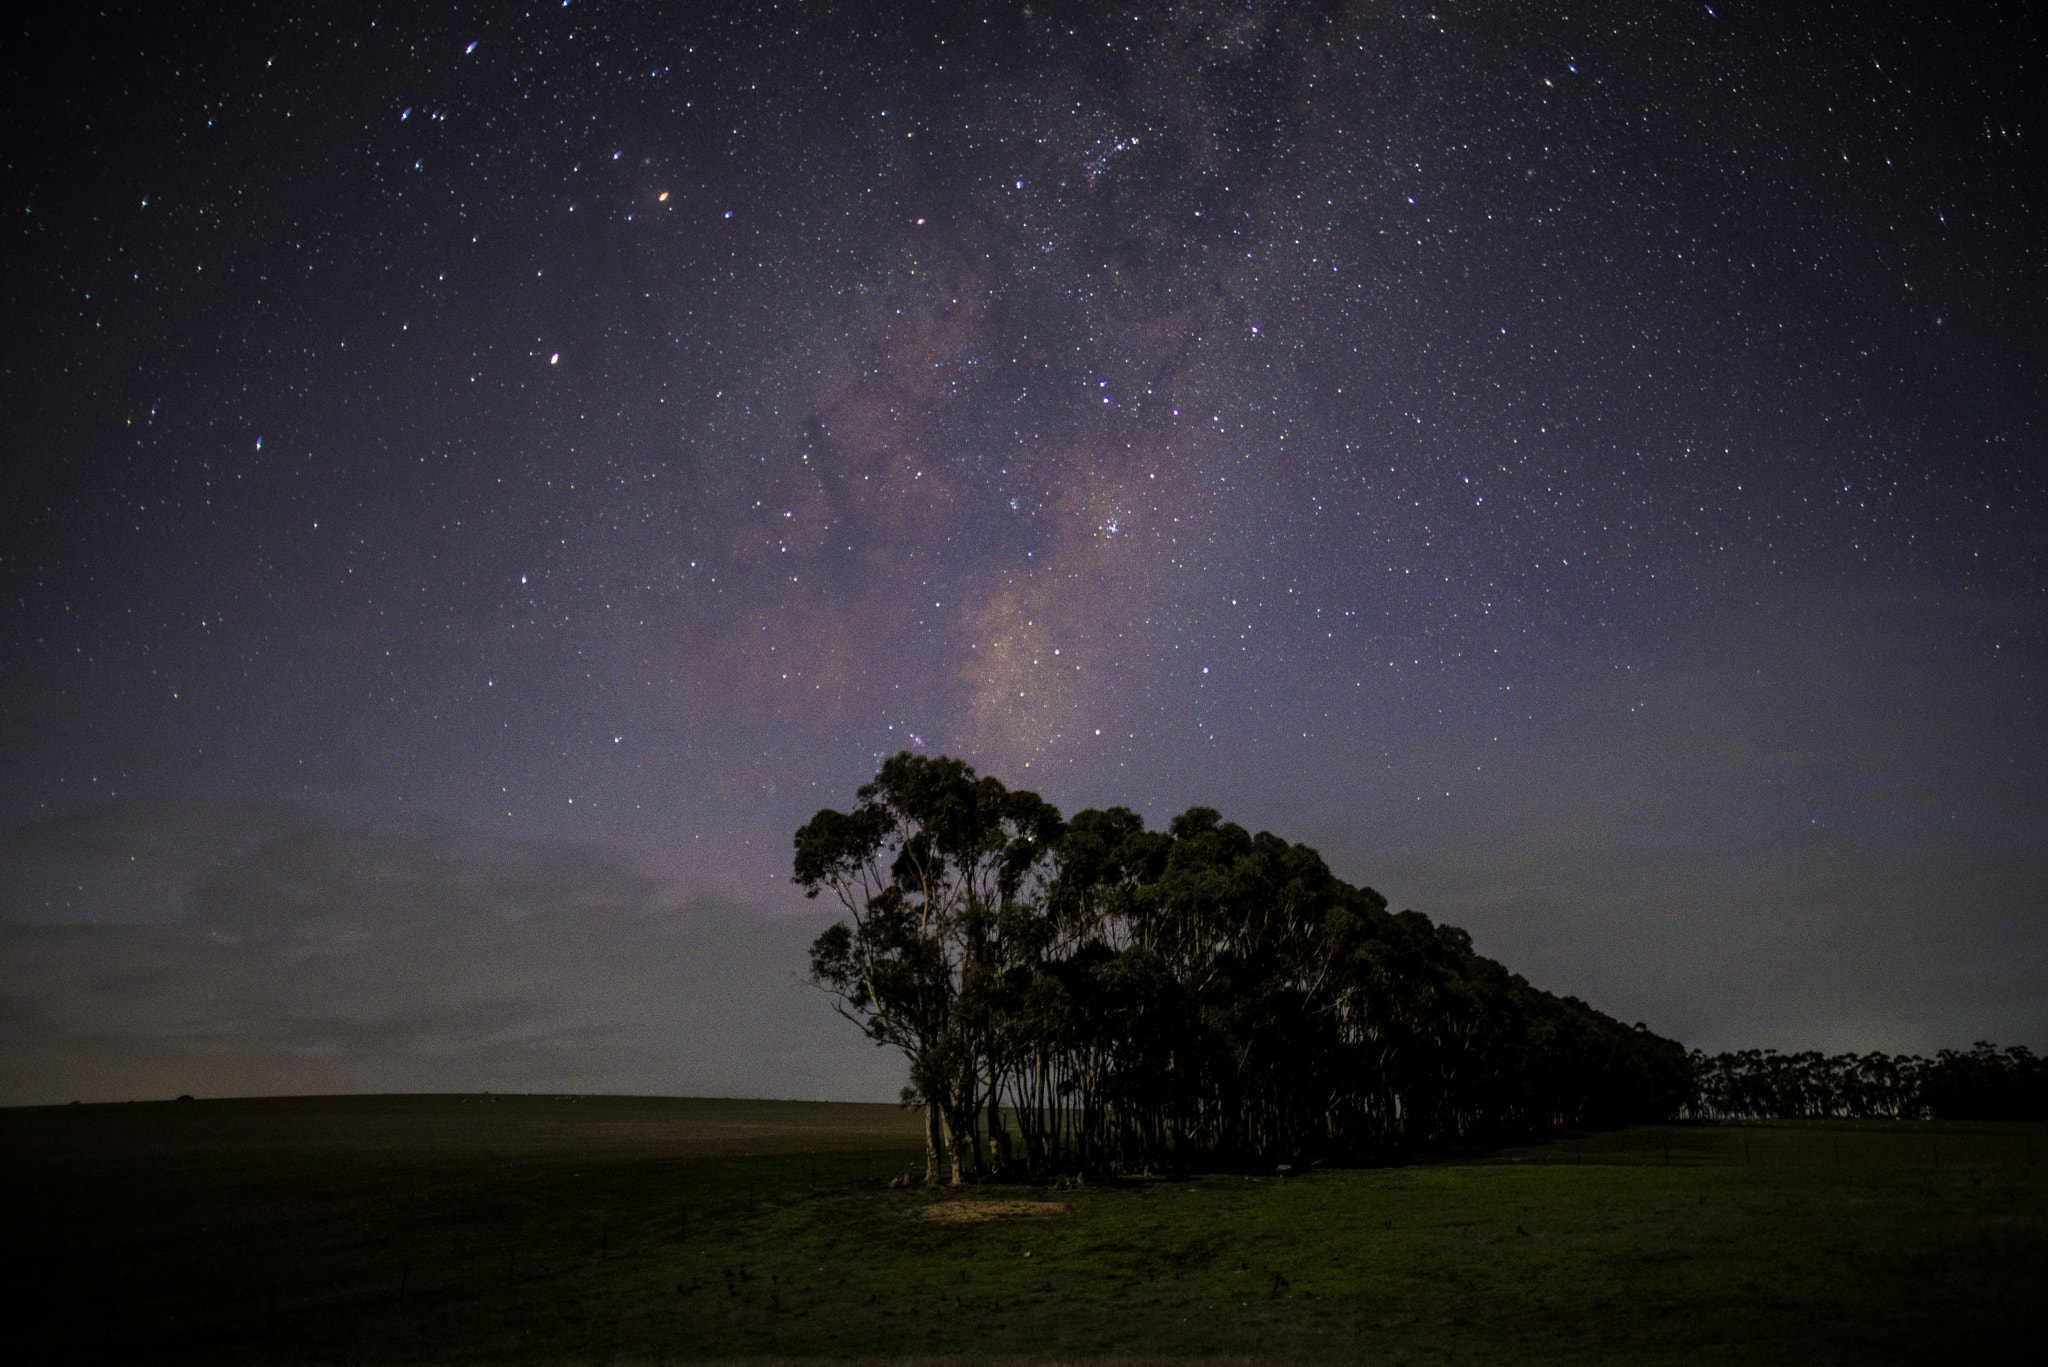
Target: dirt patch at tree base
(986, 1210)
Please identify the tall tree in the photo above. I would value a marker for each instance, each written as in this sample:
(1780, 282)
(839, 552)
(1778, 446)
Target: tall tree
(935, 869)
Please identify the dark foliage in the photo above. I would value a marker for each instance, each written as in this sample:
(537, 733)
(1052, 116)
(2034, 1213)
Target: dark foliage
(1087, 993)
(1987, 1083)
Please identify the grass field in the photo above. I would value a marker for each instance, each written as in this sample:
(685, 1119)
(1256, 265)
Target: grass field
(546, 1229)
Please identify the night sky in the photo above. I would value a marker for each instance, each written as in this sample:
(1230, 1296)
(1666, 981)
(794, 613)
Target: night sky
(479, 478)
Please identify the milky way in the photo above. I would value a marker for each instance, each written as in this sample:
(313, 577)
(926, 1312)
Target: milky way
(1581, 472)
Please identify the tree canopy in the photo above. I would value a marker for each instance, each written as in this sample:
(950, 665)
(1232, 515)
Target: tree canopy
(1086, 993)
(1986, 1083)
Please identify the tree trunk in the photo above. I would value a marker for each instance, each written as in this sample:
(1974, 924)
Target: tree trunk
(998, 1137)
(957, 1149)
(931, 1143)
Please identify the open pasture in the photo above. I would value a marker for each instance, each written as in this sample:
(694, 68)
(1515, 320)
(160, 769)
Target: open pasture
(1839, 1144)
(542, 1229)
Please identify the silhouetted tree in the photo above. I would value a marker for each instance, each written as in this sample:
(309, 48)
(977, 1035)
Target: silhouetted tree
(929, 866)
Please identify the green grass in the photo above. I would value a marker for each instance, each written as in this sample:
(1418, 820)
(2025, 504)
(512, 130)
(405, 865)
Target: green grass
(444, 1229)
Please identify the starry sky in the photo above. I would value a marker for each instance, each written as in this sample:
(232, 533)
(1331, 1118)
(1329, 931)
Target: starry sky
(481, 476)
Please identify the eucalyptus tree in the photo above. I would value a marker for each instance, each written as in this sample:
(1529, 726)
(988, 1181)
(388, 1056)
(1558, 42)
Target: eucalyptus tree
(938, 871)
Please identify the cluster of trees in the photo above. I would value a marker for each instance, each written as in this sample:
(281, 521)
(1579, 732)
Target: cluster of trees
(1986, 1083)
(1085, 993)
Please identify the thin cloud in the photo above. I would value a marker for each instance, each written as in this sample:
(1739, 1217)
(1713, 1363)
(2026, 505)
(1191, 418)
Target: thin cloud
(355, 959)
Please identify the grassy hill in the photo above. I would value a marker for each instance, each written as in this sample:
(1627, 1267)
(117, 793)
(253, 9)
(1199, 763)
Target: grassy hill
(596, 1229)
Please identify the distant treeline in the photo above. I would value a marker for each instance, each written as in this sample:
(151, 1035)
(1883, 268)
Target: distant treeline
(1085, 993)
(1987, 1083)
